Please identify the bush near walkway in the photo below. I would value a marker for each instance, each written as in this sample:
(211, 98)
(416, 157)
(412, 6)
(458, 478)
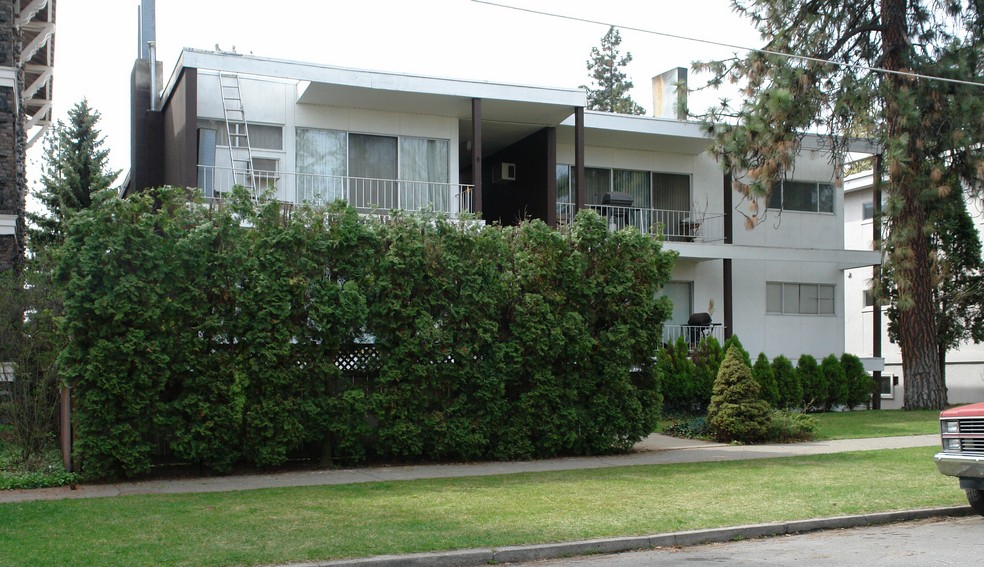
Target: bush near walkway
(737, 412)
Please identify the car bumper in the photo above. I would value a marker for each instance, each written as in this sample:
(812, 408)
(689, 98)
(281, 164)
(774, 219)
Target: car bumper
(954, 464)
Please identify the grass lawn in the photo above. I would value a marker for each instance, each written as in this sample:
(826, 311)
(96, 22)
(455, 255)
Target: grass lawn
(312, 523)
(881, 423)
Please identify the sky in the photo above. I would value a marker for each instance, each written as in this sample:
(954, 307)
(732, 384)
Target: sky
(95, 47)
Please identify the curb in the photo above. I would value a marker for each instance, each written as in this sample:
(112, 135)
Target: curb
(519, 554)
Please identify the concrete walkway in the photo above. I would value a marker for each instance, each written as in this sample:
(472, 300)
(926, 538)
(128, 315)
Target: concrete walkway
(654, 450)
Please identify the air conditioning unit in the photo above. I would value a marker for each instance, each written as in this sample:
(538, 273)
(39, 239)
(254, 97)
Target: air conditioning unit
(504, 172)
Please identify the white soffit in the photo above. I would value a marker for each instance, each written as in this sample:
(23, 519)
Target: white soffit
(353, 88)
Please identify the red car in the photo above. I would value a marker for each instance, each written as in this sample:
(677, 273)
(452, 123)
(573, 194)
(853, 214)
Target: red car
(962, 431)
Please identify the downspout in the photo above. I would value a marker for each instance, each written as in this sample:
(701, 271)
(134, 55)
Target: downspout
(152, 48)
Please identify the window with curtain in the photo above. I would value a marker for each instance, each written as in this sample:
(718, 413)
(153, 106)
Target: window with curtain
(424, 172)
(671, 192)
(373, 171)
(320, 162)
(597, 182)
(636, 184)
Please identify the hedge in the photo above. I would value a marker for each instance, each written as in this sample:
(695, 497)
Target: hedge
(253, 332)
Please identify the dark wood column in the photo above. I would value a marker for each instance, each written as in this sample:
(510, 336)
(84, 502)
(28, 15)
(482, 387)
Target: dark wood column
(729, 322)
(876, 311)
(578, 158)
(476, 144)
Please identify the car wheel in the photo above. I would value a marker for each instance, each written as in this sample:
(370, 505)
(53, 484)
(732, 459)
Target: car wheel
(976, 499)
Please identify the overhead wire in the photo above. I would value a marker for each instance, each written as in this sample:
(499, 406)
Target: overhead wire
(733, 46)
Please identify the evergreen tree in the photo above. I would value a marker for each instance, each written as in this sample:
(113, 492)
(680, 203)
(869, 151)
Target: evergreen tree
(855, 71)
(611, 85)
(814, 385)
(763, 374)
(860, 386)
(75, 174)
(737, 412)
(788, 382)
(958, 279)
(836, 381)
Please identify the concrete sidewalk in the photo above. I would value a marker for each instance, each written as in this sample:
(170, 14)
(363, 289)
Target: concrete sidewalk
(654, 450)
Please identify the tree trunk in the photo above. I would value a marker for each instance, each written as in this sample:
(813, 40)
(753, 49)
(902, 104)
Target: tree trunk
(909, 245)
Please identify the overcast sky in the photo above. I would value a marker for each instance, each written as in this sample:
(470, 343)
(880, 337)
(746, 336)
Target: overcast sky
(95, 43)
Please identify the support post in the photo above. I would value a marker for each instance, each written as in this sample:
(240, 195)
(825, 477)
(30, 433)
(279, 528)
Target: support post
(476, 143)
(876, 310)
(578, 158)
(729, 320)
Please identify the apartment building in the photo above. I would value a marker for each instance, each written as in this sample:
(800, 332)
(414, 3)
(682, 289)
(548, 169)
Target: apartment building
(309, 132)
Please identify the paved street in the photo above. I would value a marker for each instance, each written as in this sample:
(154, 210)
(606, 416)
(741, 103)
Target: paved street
(938, 542)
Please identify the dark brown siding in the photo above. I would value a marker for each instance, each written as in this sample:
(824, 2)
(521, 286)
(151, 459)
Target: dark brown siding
(181, 131)
(528, 197)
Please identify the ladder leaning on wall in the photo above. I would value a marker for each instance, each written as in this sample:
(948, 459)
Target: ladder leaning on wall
(237, 130)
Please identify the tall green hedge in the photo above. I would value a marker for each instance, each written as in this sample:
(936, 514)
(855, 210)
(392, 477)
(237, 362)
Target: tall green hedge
(251, 333)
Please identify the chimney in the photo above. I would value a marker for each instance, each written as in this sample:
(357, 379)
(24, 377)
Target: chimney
(670, 94)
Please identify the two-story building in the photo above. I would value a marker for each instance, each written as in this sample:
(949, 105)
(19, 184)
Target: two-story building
(307, 132)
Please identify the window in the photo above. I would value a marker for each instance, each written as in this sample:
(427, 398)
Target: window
(424, 168)
(682, 296)
(321, 159)
(799, 299)
(372, 171)
(867, 210)
(807, 196)
(265, 173)
(261, 136)
(664, 191)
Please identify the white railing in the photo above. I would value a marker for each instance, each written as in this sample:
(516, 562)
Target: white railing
(692, 334)
(674, 226)
(365, 194)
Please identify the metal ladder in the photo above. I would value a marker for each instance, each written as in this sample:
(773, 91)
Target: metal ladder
(237, 129)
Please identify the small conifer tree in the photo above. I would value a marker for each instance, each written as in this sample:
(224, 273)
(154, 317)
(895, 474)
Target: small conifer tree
(737, 412)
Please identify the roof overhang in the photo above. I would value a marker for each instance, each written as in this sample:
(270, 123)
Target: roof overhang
(637, 133)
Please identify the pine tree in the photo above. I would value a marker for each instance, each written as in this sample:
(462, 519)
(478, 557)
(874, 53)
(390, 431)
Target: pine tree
(612, 86)
(958, 279)
(854, 72)
(74, 176)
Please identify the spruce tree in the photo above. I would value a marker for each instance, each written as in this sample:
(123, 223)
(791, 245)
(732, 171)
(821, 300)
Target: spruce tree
(74, 176)
(737, 412)
(610, 87)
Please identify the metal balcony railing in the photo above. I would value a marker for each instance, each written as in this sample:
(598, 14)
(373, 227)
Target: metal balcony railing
(674, 226)
(365, 194)
(692, 334)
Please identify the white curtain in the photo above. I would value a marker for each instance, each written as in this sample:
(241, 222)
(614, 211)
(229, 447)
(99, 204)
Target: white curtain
(424, 172)
(320, 165)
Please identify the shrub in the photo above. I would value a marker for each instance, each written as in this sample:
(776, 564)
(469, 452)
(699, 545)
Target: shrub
(791, 426)
(734, 341)
(834, 378)
(787, 382)
(736, 412)
(859, 384)
(707, 359)
(814, 384)
(693, 428)
(763, 374)
(678, 378)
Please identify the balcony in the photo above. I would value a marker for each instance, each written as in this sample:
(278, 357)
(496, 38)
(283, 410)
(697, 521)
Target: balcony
(366, 195)
(692, 334)
(673, 226)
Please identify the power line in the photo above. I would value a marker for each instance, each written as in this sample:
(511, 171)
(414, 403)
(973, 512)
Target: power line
(733, 46)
